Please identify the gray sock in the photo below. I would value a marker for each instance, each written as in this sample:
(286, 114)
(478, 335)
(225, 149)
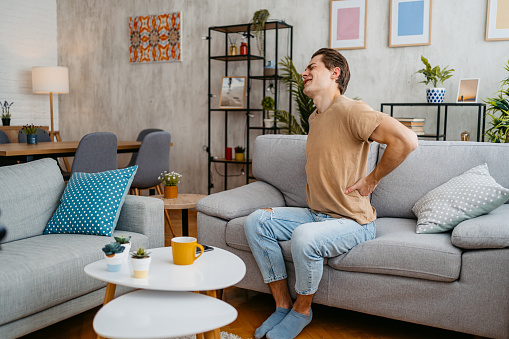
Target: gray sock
(290, 326)
(272, 321)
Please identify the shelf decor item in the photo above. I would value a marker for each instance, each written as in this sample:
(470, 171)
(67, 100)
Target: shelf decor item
(170, 182)
(6, 115)
(348, 21)
(140, 260)
(497, 25)
(498, 110)
(31, 133)
(258, 25)
(468, 90)
(126, 243)
(239, 153)
(410, 23)
(233, 92)
(436, 76)
(114, 255)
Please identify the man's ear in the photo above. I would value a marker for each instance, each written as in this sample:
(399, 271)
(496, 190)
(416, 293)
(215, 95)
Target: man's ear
(336, 71)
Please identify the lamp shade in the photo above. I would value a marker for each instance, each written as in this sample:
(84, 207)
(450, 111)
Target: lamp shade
(50, 79)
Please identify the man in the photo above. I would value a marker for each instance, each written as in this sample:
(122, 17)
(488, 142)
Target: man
(340, 215)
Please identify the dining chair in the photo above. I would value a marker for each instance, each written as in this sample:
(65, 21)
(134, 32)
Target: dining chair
(96, 152)
(42, 136)
(4, 139)
(140, 137)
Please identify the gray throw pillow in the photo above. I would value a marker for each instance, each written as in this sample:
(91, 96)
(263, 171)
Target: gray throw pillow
(466, 196)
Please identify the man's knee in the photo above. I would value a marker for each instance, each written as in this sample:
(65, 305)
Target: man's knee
(303, 240)
(252, 222)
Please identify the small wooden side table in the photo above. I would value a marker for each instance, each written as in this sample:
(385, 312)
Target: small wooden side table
(183, 202)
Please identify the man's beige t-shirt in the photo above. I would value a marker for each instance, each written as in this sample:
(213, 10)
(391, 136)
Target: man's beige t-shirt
(337, 157)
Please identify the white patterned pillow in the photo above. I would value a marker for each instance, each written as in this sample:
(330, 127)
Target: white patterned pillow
(466, 196)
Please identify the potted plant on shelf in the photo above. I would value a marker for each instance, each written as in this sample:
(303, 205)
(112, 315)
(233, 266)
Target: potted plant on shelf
(31, 131)
(498, 110)
(6, 115)
(114, 255)
(268, 106)
(435, 75)
(258, 28)
(140, 261)
(170, 182)
(126, 243)
(239, 153)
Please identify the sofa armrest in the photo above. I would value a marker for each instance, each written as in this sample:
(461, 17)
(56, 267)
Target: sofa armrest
(143, 215)
(241, 201)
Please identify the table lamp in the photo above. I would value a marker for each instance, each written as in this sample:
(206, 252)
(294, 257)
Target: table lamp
(50, 80)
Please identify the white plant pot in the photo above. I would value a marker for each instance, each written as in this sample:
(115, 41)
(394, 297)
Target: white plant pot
(435, 95)
(127, 249)
(115, 261)
(141, 267)
(268, 123)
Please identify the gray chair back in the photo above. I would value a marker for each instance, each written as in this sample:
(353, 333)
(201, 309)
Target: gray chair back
(140, 137)
(96, 152)
(153, 159)
(42, 136)
(4, 139)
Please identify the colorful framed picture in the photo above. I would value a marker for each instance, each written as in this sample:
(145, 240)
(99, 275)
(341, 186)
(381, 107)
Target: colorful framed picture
(410, 23)
(233, 92)
(348, 24)
(468, 90)
(497, 24)
(155, 38)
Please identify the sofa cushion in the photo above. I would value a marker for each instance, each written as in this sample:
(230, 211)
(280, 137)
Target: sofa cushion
(487, 231)
(91, 203)
(466, 196)
(398, 250)
(46, 270)
(29, 195)
(429, 166)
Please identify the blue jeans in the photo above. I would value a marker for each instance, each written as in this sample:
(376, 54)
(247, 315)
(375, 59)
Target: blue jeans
(314, 236)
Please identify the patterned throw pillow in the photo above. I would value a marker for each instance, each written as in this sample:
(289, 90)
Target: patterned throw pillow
(466, 196)
(91, 203)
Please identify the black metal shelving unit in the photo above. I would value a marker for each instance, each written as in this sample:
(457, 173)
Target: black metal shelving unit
(246, 29)
(481, 115)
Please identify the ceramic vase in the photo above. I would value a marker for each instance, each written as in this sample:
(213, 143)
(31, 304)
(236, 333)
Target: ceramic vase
(171, 192)
(114, 262)
(140, 267)
(435, 95)
(239, 156)
(32, 139)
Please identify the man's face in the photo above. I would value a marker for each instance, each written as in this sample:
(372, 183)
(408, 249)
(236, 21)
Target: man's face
(317, 77)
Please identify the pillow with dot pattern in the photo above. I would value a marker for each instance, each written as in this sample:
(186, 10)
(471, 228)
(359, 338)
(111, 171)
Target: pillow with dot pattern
(464, 197)
(91, 203)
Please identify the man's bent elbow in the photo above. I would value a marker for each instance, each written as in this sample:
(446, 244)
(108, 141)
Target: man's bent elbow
(412, 142)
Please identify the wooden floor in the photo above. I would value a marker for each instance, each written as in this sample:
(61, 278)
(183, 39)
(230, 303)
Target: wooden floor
(254, 308)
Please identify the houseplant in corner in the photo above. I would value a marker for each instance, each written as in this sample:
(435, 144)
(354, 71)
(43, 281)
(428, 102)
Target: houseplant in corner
(239, 153)
(114, 255)
(6, 115)
(170, 182)
(436, 76)
(140, 260)
(499, 112)
(31, 132)
(126, 243)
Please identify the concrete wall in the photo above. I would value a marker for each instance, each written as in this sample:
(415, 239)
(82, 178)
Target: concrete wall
(28, 38)
(109, 94)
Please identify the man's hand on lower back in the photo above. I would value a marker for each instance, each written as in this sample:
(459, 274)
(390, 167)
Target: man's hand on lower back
(365, 186)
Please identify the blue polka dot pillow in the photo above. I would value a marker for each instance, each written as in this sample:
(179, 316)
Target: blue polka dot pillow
(464, 197)
(91, 203)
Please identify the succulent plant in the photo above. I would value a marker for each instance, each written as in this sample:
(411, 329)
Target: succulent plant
(123, 240)
(112, 248)
(140, 253)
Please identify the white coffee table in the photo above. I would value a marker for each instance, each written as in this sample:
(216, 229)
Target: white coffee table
(214, 270)
(157, 314)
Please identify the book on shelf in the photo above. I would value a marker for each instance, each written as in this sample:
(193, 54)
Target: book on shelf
(411, 119)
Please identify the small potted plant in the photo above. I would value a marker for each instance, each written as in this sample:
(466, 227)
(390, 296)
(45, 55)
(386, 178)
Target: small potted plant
(114, 255)
(31, 131)
(268, 106)
(239, 153)
(170, 182)
(435, 75)
(6, 115)
(126, 243)
(140, 261)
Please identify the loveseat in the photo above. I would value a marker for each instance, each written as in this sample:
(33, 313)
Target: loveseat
(457, 280)
(41, 276)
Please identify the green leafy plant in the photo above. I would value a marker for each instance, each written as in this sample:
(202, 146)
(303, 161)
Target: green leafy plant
(434, 74)
(498, 110)
(5, 109)
(268, 103)
(112, 248)
(239, 149)
(258, 25)
(170, 179)
(140, 253)
(30, 129)
(122, 239)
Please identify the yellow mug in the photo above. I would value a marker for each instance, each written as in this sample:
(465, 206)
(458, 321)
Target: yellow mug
(184, 250)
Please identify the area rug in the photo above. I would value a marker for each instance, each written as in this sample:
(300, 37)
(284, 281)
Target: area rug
(224, 335)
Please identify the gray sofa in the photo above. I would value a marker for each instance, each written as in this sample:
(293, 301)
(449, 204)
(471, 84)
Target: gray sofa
(457, 280)
(41, 276)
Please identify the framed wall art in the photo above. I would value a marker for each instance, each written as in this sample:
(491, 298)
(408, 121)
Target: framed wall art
(468, 90)
(410, 23)
(497, 23)
(348, 24)
(155, 38)
(233, 92)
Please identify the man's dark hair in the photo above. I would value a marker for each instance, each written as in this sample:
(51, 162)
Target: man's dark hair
(332, 58)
